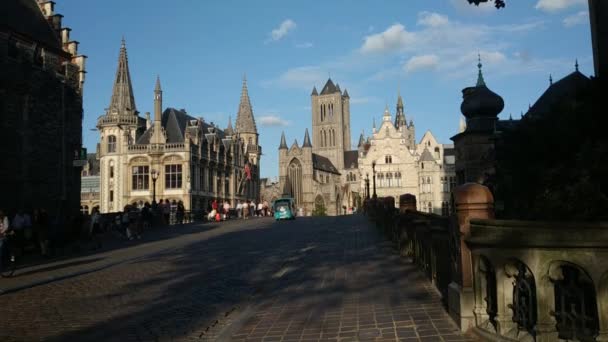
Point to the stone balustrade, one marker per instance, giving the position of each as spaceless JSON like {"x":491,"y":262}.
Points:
{"x":540,"y":281}
{"x":148,"y":148}
{"x":506,"y":280}
{"x":116,"y":119}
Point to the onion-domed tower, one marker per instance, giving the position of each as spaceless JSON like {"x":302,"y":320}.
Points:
{"x":475,"y":145}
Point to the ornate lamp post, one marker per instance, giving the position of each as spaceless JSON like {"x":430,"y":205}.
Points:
{"x":374,"y":178}
{"x":154,"y":174}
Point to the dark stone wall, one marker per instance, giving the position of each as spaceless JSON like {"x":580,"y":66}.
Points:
{"x":40,"y":130}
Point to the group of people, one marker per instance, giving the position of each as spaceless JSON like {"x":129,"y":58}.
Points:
{"x":26,"y":231}
{"x":243,"y":209}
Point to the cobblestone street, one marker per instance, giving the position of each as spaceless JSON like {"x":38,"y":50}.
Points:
{"x":307,"y":280}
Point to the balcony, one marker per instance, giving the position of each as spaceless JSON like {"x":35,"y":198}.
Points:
{"x":157,"y":148}
{"x":108,"y":120}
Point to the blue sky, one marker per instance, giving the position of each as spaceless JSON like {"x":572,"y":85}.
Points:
{"x":427,"y":49}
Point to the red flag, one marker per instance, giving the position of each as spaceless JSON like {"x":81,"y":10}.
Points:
{"x":247,"y":171}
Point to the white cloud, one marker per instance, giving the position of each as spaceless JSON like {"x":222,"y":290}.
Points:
{"x":305,"y":45}
{"x":423,"y":62}
{"x":432,"y":19}
{"x":281,"y":31}
{"x":393,"y":39}
{"x":552,"y":6}
{"x":300,"y":77}
{"x":576,"y":19}
{"x":272,"y":121}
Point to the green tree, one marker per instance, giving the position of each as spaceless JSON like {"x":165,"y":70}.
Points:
{"x":553,"y":167}
{"x":319,"y":209}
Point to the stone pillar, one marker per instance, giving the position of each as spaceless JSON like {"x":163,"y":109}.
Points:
{"x":407,"y":202}
{"x":601,"y":290}
{"x":545,"y":301}
{"x":472,"y":201}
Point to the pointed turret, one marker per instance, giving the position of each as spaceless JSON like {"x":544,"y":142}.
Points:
{"x":400,"y":120}
{"x":295,"y":143}
{"x":306,"y":140}
{"x":229,"y":130}
{"x":338,"y":88}
{"x":480,"y":80}
{"x":374,"y":125}
{"x":245,"y":123}
{"x":122,"y":101}
{"x":314,"y":91}
{"x":345,"y":93}
{"x":158,"y":100}
{"x":158,"y":136}
{"x":361,"y":140}
{"x":283,"y":145}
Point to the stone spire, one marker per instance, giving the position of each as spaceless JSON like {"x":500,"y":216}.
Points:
{"x":245,"y":123}
{"x":314,"y":91}
{"x":361,"y":140}
{"x":122,"y":101}
{"x":158,"y":136}
{"x":576,"y":65}
{"x":374,"y":126}
{"x":480,"y":80}
{"x":400,"y":120}
{"x":306,"y":140}
{"x":229,"y":130}
{"x":283,"y":145}
{"x":550,"y":80}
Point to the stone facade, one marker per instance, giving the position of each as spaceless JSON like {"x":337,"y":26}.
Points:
{"x":425,"y":170}
{"x":89,"y":184}
{"x":315,"y":174}
{"x":195,"y":162}
{"x":41,"y":81}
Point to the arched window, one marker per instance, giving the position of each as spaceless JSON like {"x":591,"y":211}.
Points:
{"x":324,"y":138}
{"x":389,"y":179}
{"x":321,"y":112}
{"x":331,"y":110}
{"x":333,"y":137}
{"x":295,"y":177}
{"x":398,"y":179}
{"x":437,"y":154}
{"x":111,"y":144}
{"x":388,"y":159}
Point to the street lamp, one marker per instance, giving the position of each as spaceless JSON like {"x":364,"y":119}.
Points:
{"x":374,"y":178}
{"x":367,"y":185}
{"x":154,"y":174}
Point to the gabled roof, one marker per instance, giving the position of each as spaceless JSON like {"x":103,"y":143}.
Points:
{"x":426,"y":155}
{"x":323,"y":164}
{"x":559,"y":91}
{"x":329,"y":88}
{"x":174,"y":122}
{"x":351,"y":159}
{"x":25,"y":17}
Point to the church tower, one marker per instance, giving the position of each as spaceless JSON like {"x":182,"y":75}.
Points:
{"x":245,"y":126}
{"x":118,"y":128}
{"x":331,"y":123}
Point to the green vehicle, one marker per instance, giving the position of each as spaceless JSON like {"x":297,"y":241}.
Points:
{"x":284,"y":209}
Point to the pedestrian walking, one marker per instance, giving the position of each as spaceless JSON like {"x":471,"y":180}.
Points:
{"x":246,"y":210}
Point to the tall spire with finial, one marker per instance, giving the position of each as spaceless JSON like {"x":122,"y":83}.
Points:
{"x":158,"y":136}
{"x":283,"y":145}
{"x":550,"y":80}
{"x":306,"y":140}
{"x":400,"y":114}
{"x":576,"y":65}
{"x":245,"y":123}
{"x":480,"y":80}
{"x":374,"y":125}
{"x":122,"y":101}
